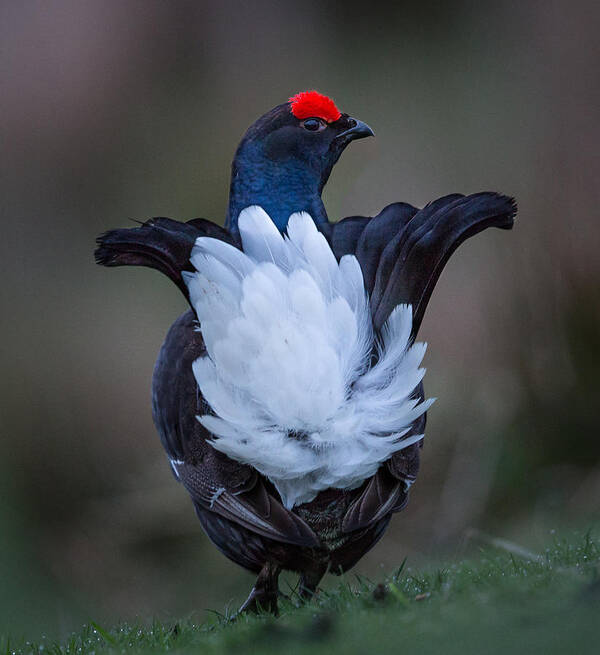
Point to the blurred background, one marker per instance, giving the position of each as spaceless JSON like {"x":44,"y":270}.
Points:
{"x":122,"y":109}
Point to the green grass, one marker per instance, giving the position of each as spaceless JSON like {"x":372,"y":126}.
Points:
{"x":498,"y":602}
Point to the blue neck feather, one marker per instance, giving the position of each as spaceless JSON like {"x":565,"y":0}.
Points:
{"x":280,"y":188}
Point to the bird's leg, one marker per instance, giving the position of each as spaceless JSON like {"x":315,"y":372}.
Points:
{"x":264,"y":593}
{"x":310,"y":579}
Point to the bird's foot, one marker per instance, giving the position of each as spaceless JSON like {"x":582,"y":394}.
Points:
{"x":263,"y":597}
{"x":259,"y":601}
{"x":309,"y":580}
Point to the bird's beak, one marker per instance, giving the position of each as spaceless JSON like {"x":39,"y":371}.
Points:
{"x":358,"y":131}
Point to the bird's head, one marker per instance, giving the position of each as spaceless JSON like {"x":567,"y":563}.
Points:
{"x":285,"y":158}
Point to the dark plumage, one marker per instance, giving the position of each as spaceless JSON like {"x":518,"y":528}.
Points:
{"x":283,"y":166}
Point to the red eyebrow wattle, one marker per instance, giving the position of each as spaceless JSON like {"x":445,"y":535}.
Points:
{"x":311,"y":104}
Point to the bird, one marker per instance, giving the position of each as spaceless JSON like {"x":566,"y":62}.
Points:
{"x":289,"y":396}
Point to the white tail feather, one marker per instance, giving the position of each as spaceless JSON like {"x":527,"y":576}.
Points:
{"x":289,"y":338}
{"x":260,"y":238}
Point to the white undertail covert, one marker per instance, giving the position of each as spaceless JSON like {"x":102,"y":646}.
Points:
{"x":288,"y":373}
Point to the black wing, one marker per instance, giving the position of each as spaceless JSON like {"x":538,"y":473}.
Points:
{"x":213,"y":480}
{"x":402,"y":252}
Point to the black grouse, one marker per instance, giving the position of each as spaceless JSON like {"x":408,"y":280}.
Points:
{"x":289,"y":397}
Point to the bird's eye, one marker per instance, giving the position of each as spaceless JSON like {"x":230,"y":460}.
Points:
{"x":313,"y":124}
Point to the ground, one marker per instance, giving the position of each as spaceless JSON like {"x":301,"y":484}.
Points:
{"x":504,"y":599}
